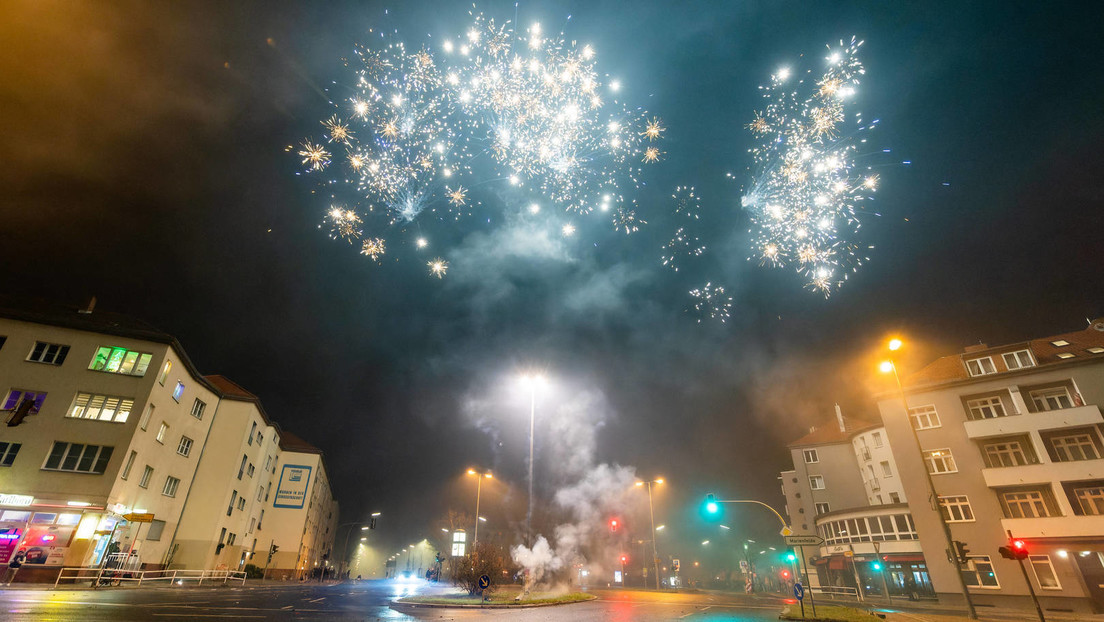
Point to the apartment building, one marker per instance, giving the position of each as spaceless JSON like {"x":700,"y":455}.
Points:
{"x":845,"y":488}
{"x":224,"y":521}
{"x":1013,"y":438}
{"x":304,"y":510}
{"x":117,"y":448}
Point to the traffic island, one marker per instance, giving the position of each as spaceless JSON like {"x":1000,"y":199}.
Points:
{"x":830,"y":613}
{"x":502,"y":598}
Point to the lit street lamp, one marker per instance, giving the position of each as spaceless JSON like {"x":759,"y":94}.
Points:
{"x":651,"y":515}
{"x":345,"y":549}
{"x":889,"y":366}
{"x":478,"y":489}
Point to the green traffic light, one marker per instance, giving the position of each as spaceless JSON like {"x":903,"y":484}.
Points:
{"x":877,"y":566}
{"x":711,"y":505}
{"x":790,"y":557}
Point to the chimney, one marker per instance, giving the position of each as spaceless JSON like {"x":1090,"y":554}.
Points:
{"x":87,"y":310}
{"x":839,"y":418}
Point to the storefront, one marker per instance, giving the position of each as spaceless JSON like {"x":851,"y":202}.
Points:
{"x":49,"y":533}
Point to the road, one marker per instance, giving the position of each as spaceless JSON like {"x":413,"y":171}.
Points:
{"x":367,"y":600}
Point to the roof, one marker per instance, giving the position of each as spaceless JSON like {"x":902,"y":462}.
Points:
{"x":291,"y":442}
{"x":952,"y":368}
{"x":41,"y":311}
{"x":229,"y":388}
{"x":832,"y":434}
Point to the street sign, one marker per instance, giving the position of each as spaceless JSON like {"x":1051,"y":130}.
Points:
{"x":804,"y":540}
{"x":786,"y":531}
{"x":799,"y":591}
{"x":848,"y":553}
{"x":484,"y":582}
{"x":138,"y":518}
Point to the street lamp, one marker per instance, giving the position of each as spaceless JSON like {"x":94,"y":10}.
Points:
{"x":345,"y":548}
{"x":532,"y":381}
{"x":479,"y":477}
{"x":889,"y":366}
{"x":651,"y":515}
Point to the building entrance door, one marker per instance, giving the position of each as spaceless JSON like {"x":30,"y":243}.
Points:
{"x":1092,"y":569}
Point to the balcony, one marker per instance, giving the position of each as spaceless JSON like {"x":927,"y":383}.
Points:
{"x":1043,"y":473}
{"x":1024,"y":423}
{"x":1053,"y":527}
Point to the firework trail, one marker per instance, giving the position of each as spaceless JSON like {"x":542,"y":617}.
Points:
{"x":805,"y":193}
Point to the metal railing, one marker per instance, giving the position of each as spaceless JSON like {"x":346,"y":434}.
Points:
{"x":849,"y":592}
{"x":106,"y":577}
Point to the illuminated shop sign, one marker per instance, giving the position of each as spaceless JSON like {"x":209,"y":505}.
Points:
{"x":19,"y":500}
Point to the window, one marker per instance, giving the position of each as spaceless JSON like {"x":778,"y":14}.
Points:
{"x":1056,"y":398}
{"x":252,"y":431}
{"x":979,"y":572}
{"x":981,"y":366}
{"x":8,"y":452}
{"x":241,"y":503}
{"x":1059,"y":343}
{"x":198,"y":407}
{"x":169,"y":489}
{"x":129,"y":463}
{"x":146,"y":417}
{"x":822,"y":508}
{"x":260,"y":438}
{"x":1092,"y":350}
{"x":811,"y":456}
{"x":894,"y":497}
{"x":165,"y":373}
{"x":185,"y":446}
{"x":101,"y":407}
{"x":49,"y":353}
{"x":250,"y":470}
{"x":231,"y":538}
{"x":459,"y":540}
{"x":1018,"y":359}
{"x":260,"y":493}
{"x":146,"y":475}
{"x":1074,"y":447}
{"x":120,"y":361}
{"x":886,"y":470}
{"x":1044,"y":572}
{"x":178,"y":392}
{"x":260,"y":520}
{"x":1004,"y":454}
{"x":156,"y":528}
{"x":162,"y":432}
{"x":241,"y":468}
{"x":78,"y":458}
{"x":17,"y":396}
{"x":924,"y":417}
{"x":887,"y":527}
{"x":233,"y":498}
{"x":1025,"y":504}
{"x":940,"y":461}
{"x":816,"y":482}
{"x":956,"y":509}
{"x":1091,"y":500}
{"x":985,"y":408}
{"x":877,"y":436}
{"x":252,"y":524}
{"x":1066,"y":355}
{"x":268,"y":459}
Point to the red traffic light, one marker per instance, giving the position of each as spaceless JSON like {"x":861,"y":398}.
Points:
{"x":614,"y":524}
{"x":785,"y":574}
{"x":624,"y":559}
{"x":1019,"y":545}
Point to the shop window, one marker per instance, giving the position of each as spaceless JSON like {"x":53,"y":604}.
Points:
{"x":120,"y":361}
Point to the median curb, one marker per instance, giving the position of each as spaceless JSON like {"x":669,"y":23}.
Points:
{"x":402,"y":605}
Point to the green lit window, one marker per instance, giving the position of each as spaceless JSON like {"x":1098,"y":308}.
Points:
{"x":120,"y":361}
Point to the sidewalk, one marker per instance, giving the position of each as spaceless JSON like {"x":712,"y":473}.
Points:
{"x":161,"y":585}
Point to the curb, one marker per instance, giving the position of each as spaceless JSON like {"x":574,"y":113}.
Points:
{"x":400,"y":604}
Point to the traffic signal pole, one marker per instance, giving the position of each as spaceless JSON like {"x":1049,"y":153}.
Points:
{"x":1027,"y":580}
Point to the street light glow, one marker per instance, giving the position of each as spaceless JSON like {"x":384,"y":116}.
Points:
{"x":705,"y":542}
{"x":895,"y":344}
{"x":660,"y":528}
{"x":724,"y":527}
{"x":886,"y":367}
{"x":375,"y":514}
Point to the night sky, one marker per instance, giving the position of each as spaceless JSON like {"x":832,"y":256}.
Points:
{"x":143,"y":149}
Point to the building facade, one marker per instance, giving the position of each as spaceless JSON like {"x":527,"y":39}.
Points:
{"x":1013,"y":438}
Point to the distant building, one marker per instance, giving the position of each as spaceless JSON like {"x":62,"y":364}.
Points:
{"x":117,"y":450}
{"x":845,"y":487}
{"x":304,"y":513}
{"x":1014,"y":439}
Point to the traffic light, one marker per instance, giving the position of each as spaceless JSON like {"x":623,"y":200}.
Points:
{"x":614,"y":524}
{"x":790,"y":557}
{"x":711,"y":506}
{"x":1016,"y":549}
{"x":624,"y":559}
{"x":877,"y":566}
{"x":786,"y":575}
{"x":961,"y":551}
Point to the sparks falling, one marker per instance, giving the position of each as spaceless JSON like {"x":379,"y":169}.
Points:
{"x":805,"y":194}
{"x":684,"y":241}
{"x":711,"y":303}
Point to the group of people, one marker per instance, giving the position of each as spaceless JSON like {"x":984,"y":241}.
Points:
{"x":14,"y":565}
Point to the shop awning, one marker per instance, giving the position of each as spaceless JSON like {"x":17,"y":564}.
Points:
{"x":835,"y":562}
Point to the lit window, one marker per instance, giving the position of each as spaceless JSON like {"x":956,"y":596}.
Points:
{"x":816,"y":482}
{"x":146,"y":475}
{"x":185,"y":446}
{"x":924,"y":417}
{"x":8,"y":452}
{"x":811,"y":456}
{"x":169,"y":489}
{"x":1018,"y":359}
{"x":101,"y":407}
{"x":198,"y":407}
{"x":940,"y":461}
{"x":979,"y":572}
{"x":985,"y":408}
{"x":1044,"y":572}
{"x":49,"y":353}
{"x":956,"y":509}
{"x":981,"y":366}
{"x":162,"y":432}
{"x":1059,"y":343}
{"x":164,"y":373}
{"x":178,"y":392}
{"x":120,"y":361}
{"x":78,"y":458}
{"x":1056,"y":398}
{"x":16,"y":397}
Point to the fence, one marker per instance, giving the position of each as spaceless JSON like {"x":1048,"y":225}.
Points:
{"x":99,"y":576}
{"x":848,"y":592}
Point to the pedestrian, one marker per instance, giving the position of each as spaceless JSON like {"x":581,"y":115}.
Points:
{"x":14,"y":565}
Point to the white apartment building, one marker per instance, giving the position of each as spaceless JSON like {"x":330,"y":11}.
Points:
{"x":305,"y":512}
{"x":1013,"y":438}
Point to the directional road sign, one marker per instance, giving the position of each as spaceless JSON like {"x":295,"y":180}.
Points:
{"x":799,"y":591}
{"x":804,"y":540}
{"x":484,"y":582}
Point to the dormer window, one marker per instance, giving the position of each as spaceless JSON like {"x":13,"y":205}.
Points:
{"x":981,"y":366}
{"x":1018,"y":359}
{"x":1065,"y":355}
{"x":1094,"y":350}
{"x":1059,"y":343}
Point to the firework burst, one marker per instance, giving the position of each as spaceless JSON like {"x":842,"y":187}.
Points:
{"x":711,"y":303}
{"x":684,"y":242}
{"x":806,"y":193}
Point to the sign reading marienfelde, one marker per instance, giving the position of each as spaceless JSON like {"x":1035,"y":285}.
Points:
{"x":291,"y":492}
{"x":804,"y":540}
{"x":19,"y":500}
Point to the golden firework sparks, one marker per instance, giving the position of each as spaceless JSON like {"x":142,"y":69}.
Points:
{"x":760,"y":125}
{"x":829,"y":86}
{"x":438,"y":267}
{"x":651,"y":154}
{"x":339,"y":130}
{"x":357,"y":161}
{"x":654,"y":129}
{"x":374,"y":248}
{"x":457,"y":197}
{"x":391,"y":129}
{"x":314,"y":156}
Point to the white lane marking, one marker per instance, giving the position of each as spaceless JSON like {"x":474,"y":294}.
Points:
{"x":317,"y":600}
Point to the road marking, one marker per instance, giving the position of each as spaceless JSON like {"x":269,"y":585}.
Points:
{"x":316,"y":600}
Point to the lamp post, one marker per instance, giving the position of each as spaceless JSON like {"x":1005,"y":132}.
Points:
{"x":651,"y":515}
{"x":531,"y":380}
{"x":345,"y":548}
{"x":478,"y":489}
{"x":891,"y":366}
